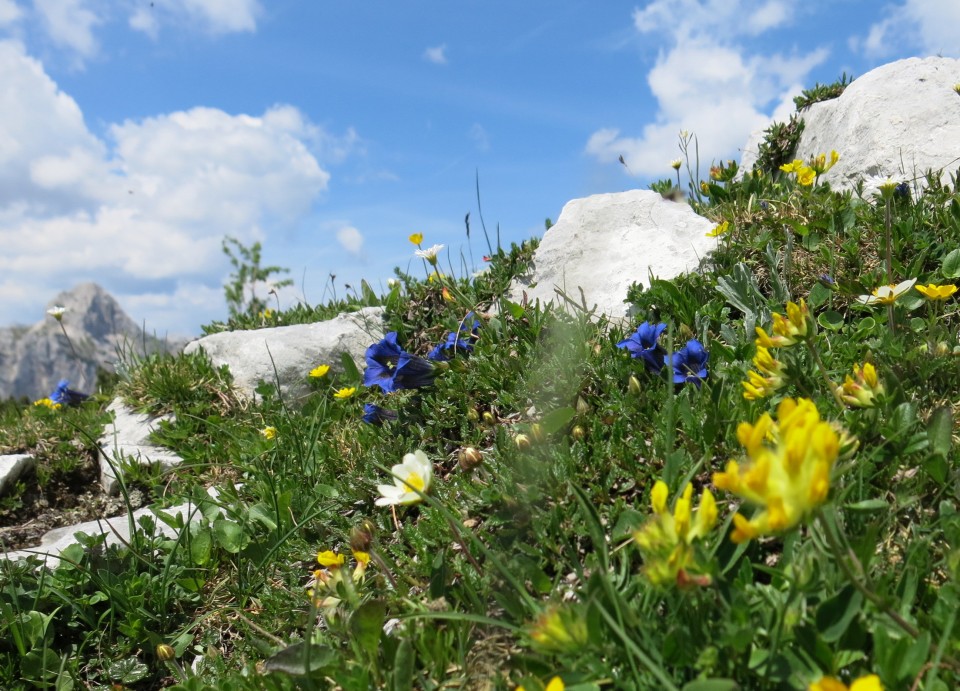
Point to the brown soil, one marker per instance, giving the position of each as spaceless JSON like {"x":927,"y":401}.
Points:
{"x":64,"y":501}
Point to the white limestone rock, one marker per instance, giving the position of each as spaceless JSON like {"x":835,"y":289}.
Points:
{"x":285,"y":355}
{"x":12,"y":466}
{"x":127,"y":439}
{"x":898,"y":120}
{"x":606,"y":242}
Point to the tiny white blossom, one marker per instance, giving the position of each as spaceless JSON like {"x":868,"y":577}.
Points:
{"x":57,"y":312}
{"x":410,"y":479}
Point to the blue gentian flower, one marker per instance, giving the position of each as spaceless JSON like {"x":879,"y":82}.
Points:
{"x":391,"y":367}
{"x":826,"y":280}
{"x":375,"y":415}
{"x":643,"y":344}
{"x":902,"y":190}
{"x":64,"y":395}
{"x":689,"y":364}
{"x":461,"y":340}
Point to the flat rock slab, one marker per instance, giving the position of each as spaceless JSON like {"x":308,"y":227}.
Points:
{"x":116,"y":529}
{"x":605,"y":243}
{"x":12,"y":466}
{"x":127,"y":440}
{"x":283,"y":356}
{"x":898,"y":120}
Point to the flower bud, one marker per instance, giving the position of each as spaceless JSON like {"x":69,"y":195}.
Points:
{"x":522,"y":441}
{"x":473,"y":415}
{"x":633,"y":385}
{"x":469,"y":458}
{"x":536,"y":432}
{"x":578,"y":433}
{"x":165,"y":653}
{"x":488,"y":418}
{"x":583,"y":408}
{"x":361,"y":536}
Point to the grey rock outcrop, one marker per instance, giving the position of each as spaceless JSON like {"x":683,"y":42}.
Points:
{"x":284,"y":355}
{"x":604,"y":243}
{"x":898,"y":120}
{"x":33,"y":359}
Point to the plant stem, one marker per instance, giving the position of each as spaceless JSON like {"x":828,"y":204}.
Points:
{"x":823,"y":370}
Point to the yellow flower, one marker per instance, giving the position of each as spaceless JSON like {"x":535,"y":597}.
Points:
{"x":764,"y":340}
{"x":861,"y":389}
{"x":436,"y":276}
{"x":887,"y":295}
{"x":269,"y":432}
{"x":719,"y":230}
{"x":47,"y":403}
{"x":559,"y":628}
{"x":667,"y":539}
{"x":330,"y":559}
{"x":319,"y":371}
{"x":793,"y":167}
{"x":266,"y":314}
{"x":871,"y":682}
{"x":759,"y":386}
{"x":795,"y":326}
{"x":820,"y":165}
{"x":345,"y":392}
{"x":416,"y":238}
{"x":555,"y":684}
{"x":806,"y":176}
{"x":787,"y":469}
{"x":704,"y":187}
{"x":937,"y":292}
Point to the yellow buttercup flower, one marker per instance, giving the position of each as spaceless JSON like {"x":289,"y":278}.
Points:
{"x":269,"y":432}
{"x":871,"y":682}
{"x":787,"y":469}
{"x":330,"y":559}
{"x":416,"y":238}
{"x":345,"y":392}
{"x":667,"y":539}
{"x":792,"y":167}
{"x":806,"y":176}
{"x":934,"y":291}
{"x":319,"y":371}
{"x":719,"y":230}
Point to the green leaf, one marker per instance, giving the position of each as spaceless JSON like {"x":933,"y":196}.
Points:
{"x":201,"y":544}
{"x":263,"y":514}
{"x":127,"y":671}
{"x":834,"y":615}
{"x":940,"y":431}
{"x":515,"y":310}
{"x":230,"y":535}
{"x":556,"y":420}
{"x":350,"y":371}
{"x":830,"y":320}
{"x":300,"y":659}
{"x":951,"y":264}
{"x":403,"y":665}
{"x":711,"y":685}
{"x":40,"y":664}
{"x":869,"y":505}
{"x":367,"y":625}
{"x":819,"y":294}
{"x":903,"y":417}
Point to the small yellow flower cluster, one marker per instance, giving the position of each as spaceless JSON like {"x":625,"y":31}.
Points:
{"x":330,"y":577}
{"x":269,"y":432}
{"x":862,"y":388}
{"x":787,"y":471}
{"x":667,"y":539}
{"x":768,"y":377}
{"x":807,"y":173}
{"x":560,"y":628}
{"x":787,"y":330}
{"x":47,"y":403}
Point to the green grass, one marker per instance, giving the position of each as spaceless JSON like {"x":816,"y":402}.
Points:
{"x":525,"y":567}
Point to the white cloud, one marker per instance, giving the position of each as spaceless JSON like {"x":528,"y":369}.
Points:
{"x":436,"y":55}
{"x":150,"y":203}
{"x":70,"y":24}
{"x":351,"y":240}
{"x":10,"y":12}
{"x":214,"y":16}
{"x":706,"y":82}
{"x":932,"y":26}
{"x":478,"y":134}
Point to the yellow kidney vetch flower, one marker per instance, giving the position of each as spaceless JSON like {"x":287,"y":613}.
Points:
{"x":862,"y":388}
{"x":328,"y":583}
{"x":667,"y":539}
{"x":871,"y":682}
{"x":769,"y":377}
{"x":786,"y":471}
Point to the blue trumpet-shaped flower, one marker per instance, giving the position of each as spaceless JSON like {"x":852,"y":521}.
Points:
{"x":460,"y":340}
{"x":375,"y":415}
{"x":643,"y":344}
{"x":64,"y":395}
{"x":689,"y":364}
{"x":391,"y":367}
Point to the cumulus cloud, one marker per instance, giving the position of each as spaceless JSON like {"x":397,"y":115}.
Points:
{"x":70,"y":23}
{"x":706,"y":81}
{"x":436,"y":55}
{"x":10,"y":12}
{"x":149,"y":203}
{"x":351,"y":240}
{"x":214,"y":16}
{"x":931,"y":26}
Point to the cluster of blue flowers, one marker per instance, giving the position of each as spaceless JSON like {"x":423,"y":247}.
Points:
{"x":64,"y":395}
{"x":686,"y":366}
{"x":392,"y":368}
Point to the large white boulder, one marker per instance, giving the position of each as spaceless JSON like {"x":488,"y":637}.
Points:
{"x":605,"y":243}
{"x":126,"y":440}
{"x":284,"y":355}
{"x":898,"y":120}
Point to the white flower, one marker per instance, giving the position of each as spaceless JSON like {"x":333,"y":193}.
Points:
{"x":430,"y":254}
{"x":57,"y":312}
{"x":393,"y":282}
{"x":676,"y":163}
{"x":887,"y":295}
{"x":410,"y":478}
{"x":883,"y":185}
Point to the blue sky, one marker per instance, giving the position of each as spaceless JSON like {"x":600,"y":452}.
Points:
{"x":135,"y":135}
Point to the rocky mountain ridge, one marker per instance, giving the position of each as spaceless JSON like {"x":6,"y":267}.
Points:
{"x":34,"y":358}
